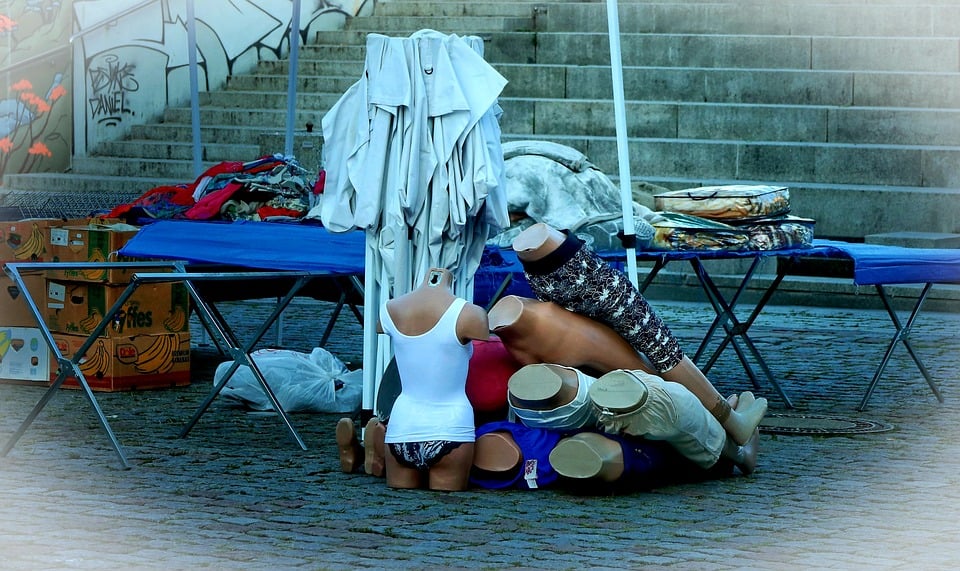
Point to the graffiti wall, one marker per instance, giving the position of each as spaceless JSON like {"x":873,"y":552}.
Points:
{"x":129,"y":60}
{"x":35,"y":108}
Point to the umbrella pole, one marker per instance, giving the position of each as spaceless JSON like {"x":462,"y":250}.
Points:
{"x":371,"y":369}
{"x":623,"y":155}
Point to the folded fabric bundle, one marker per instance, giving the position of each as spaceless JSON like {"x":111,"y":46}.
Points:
{"x":736,"y":202}
{"x":685,"y":232}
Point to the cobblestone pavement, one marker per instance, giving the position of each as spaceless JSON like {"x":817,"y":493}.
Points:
{"x":237,"y":493}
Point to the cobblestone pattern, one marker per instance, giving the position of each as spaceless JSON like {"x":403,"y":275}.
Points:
{"x":239,"y":494}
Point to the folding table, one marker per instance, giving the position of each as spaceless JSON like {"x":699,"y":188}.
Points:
{"x":254,"y":248}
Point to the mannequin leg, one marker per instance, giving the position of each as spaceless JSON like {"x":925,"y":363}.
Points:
{"x":348,"y":446}
{"x":400,"y":476}
{"x":373,"y":448}
{"x":743,"y":457}
{"x":452,"y":472}
{"x":740,"y":422}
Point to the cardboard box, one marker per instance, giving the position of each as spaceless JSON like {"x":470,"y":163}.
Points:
{"x":24,"y":355}
{"x":26,"y":240}
{"x":78,"y":307}
{"x":14,"y":311}
{"x":128,"y":363}
{"x":90,"y":243}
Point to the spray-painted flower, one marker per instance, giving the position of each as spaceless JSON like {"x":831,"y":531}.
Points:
{"x":22,"y":85}
{"x":6,"y":24}
{"x":57,"y":92}
{"x":6,"y":145}
{"x":39,"y":148}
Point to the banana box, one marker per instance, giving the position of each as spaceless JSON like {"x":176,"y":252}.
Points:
{"x":128,"y":363}
{"x":78,"y":307}
{"x":90,"y":243}
{"x":14,"y":311}
{"x":24,"y":355}
{"x":26,"y":240}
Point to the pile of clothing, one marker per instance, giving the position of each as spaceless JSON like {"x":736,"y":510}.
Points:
{"x":731,"y":217}
{"x":268,"y":188}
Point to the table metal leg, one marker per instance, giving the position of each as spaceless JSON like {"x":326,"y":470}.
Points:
{"x":901,"y":335}
{"x":735,"y":330}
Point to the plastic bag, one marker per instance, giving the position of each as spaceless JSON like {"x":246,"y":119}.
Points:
{"x":302,"y":382}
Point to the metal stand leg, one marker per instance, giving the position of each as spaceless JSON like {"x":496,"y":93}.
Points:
{"x":902,"y":335}
{"x":734,"y":328}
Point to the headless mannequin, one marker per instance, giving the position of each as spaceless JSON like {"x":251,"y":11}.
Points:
{"x":535,"y":331}
{"x":415,"y":314}
{"x":539,"y":240}
{"x":497,"y":453}
{"x":551,"y":396}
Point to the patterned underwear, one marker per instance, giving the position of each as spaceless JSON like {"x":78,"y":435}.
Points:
{"x":421,"y":455}
{"x":574,"y":277}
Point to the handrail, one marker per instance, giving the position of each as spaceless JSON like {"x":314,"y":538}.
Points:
{"x":56,"y":51}
{"x":113,"y":18}
{"x":34,"y":59}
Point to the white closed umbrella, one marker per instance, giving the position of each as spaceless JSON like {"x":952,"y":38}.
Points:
{"x":413,"y":157}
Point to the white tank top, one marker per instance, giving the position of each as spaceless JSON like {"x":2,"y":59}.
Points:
{"x":433,"y":403}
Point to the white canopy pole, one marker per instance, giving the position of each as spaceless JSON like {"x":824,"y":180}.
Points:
{"x":623,"y":154}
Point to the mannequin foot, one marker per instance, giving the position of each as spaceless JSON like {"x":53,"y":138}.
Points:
{"x":588,"y":455}
{"x":747,"y":457}
{"x":743,"y":421}
{"x":744,"y":399}
{"x":733,"y":400}
{"x":348,"y":446}
{"x":374,"y":462}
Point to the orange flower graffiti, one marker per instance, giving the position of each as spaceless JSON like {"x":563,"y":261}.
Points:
{"x":21,"y":85}
{"x":58,"y":92}
{"x":6,"y":24}
{"x":6,"y":145}
{"x":39,"y":148}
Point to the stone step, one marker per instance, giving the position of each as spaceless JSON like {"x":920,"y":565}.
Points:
{"x":272,"y":99}
{"x":163,"y":132}
{"x":460,"y":9}
{"x":136,"y":168}
{"x":921,"y":19}
{"x":916,"y":239}
{"x":460,"y":25}
{"x":826,"y":163}
{"x":85,"y":183}
{"x":271,"y":119}
{"x":746,"y":122}
{"x":686,"y":84}
{"x":305,"y":83}
{"x":211,"y":152}
{"x":936,"y":54}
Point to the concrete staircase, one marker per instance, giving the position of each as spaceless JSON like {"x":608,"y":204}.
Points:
{"x":854,"y":105}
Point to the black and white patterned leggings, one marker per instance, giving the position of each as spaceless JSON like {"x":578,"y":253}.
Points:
{"x":573,"y":276}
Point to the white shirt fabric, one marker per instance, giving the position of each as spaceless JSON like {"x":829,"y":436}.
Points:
{"x":433,"y":403}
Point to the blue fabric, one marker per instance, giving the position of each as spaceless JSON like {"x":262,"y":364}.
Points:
{"x":881,"y":264}
{"x":310,"y":247}
{"x":260,"y":245}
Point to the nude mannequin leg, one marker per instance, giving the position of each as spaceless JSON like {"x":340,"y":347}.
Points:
{"x":452,"y":472}
{"x":348,"y":446}
{"x":373,"y":448}
{"x":400,"y":476}
{"x":497,"y":453}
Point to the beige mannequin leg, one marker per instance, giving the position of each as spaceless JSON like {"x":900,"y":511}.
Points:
{"x":739,"y":423}
{"x":373,"y":447}
{"x":497,"y":453}
{"x":348,"y":446}
{"x":452,"y":472}
{"x":542,"y":387}
{"x":400,"y":476}
{"x":588,"y":455}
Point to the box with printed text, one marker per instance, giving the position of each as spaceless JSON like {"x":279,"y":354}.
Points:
{"x":128,"y":363}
